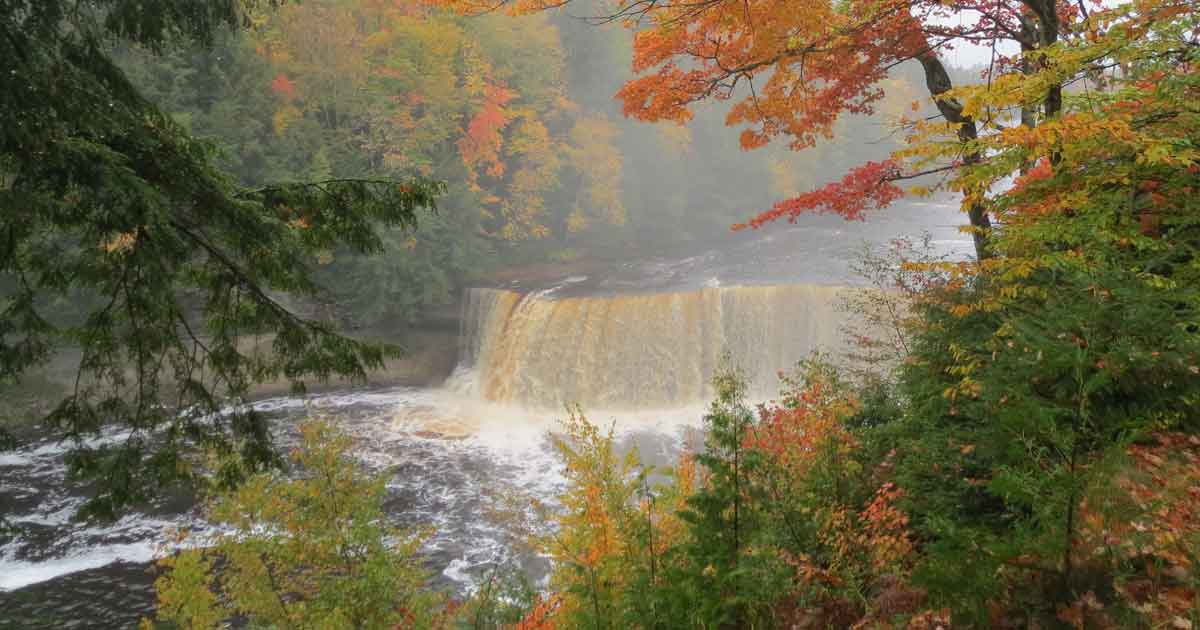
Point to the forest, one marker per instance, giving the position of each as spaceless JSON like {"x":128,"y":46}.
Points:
{"x":1007,"y":441}
{"x":517,"y":115}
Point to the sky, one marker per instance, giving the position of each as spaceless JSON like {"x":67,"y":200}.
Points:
{"x":970,"y":55}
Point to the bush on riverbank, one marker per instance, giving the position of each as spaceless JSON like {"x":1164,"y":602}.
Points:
{"x":309,"y":551}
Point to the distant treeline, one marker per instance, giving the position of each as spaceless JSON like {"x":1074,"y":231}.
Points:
{"x":517,"y":115}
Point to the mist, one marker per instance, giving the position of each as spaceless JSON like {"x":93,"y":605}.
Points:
{"x":736,"y":315}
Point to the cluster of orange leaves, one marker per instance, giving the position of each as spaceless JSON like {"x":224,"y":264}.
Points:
{"x":885,"y":529}
{"x":482,"y":142}
{"x":871,"y":542}
{"x":865,"y":188}
{"x":792,"y":434}
{"x":284,"y":87}
{"x":541,"y":617}
{"x":808,"y":65}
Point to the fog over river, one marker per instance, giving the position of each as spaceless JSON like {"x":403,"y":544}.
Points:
{"x":634,"y":345}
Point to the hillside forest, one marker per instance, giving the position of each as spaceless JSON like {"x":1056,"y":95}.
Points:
{"x":517,"y":115}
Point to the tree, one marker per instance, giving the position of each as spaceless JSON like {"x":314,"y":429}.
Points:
{"x":593,"y":538}
{"x":616,"y":540}
{"x":106,"y":199}
{"x":594,"y":156}
{"x":1042,"y":370}
{"x":313,"y":551}
{"x":792,"y":71}
{"x":879,"y":317}
{"x":724,"y":517}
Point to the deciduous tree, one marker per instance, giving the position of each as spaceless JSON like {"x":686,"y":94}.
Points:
{"x":791,"y":71}
{"x":313,"y":551}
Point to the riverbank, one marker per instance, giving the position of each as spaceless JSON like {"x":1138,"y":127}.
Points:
{"x":430,"y":356}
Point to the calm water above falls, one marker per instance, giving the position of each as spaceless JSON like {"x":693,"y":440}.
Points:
{"x":635,"y":347}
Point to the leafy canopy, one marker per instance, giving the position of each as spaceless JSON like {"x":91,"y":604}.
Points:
{"x":790,"y":71}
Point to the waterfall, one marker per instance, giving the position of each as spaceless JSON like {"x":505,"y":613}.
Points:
{"x":637,"y":351}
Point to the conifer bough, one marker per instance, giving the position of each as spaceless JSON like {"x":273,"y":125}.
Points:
{"x":109,"y":206}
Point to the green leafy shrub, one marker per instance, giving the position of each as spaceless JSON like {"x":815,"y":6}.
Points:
{"x":309,"y":551}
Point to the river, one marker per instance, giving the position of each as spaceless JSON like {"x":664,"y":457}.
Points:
{"x":635,"y":346}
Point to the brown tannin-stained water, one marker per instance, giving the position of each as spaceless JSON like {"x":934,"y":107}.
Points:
{"x":635,"y":347}
{"x":645,"y":351}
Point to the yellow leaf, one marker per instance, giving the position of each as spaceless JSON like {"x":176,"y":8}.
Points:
{"x":120,"y":243}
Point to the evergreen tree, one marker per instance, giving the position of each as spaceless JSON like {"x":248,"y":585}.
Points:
{"x":723,"y":516}
{"x":103,"y":196}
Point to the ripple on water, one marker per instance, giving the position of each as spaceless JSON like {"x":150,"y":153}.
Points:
{"x":467,"y":470}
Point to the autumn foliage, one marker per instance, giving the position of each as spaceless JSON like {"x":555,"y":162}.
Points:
{"x":1027,"y":457}
{"x":309,"y":552}
{"x":792,"y":72}
{"x":482,"y":142}
{"x":864,"y":189}
{"x":1148,"y":534}
{"x":410,"y":85}
{"x":1025,"y":454}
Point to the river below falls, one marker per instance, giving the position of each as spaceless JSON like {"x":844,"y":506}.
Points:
{"x":467,"y":469}
{"x":470,"y":469}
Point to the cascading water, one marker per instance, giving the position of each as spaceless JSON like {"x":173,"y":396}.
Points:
{"x":645,"y":351}
{"x":457,"y":456}
{"x":637,"y":353}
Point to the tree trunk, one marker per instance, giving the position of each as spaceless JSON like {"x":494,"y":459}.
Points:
{"x":1046,"y":12}
{"x":938,"y":82}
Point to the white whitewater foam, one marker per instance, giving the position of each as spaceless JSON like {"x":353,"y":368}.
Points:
{"x":16,"y":574}
{"x":458,"y":462}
